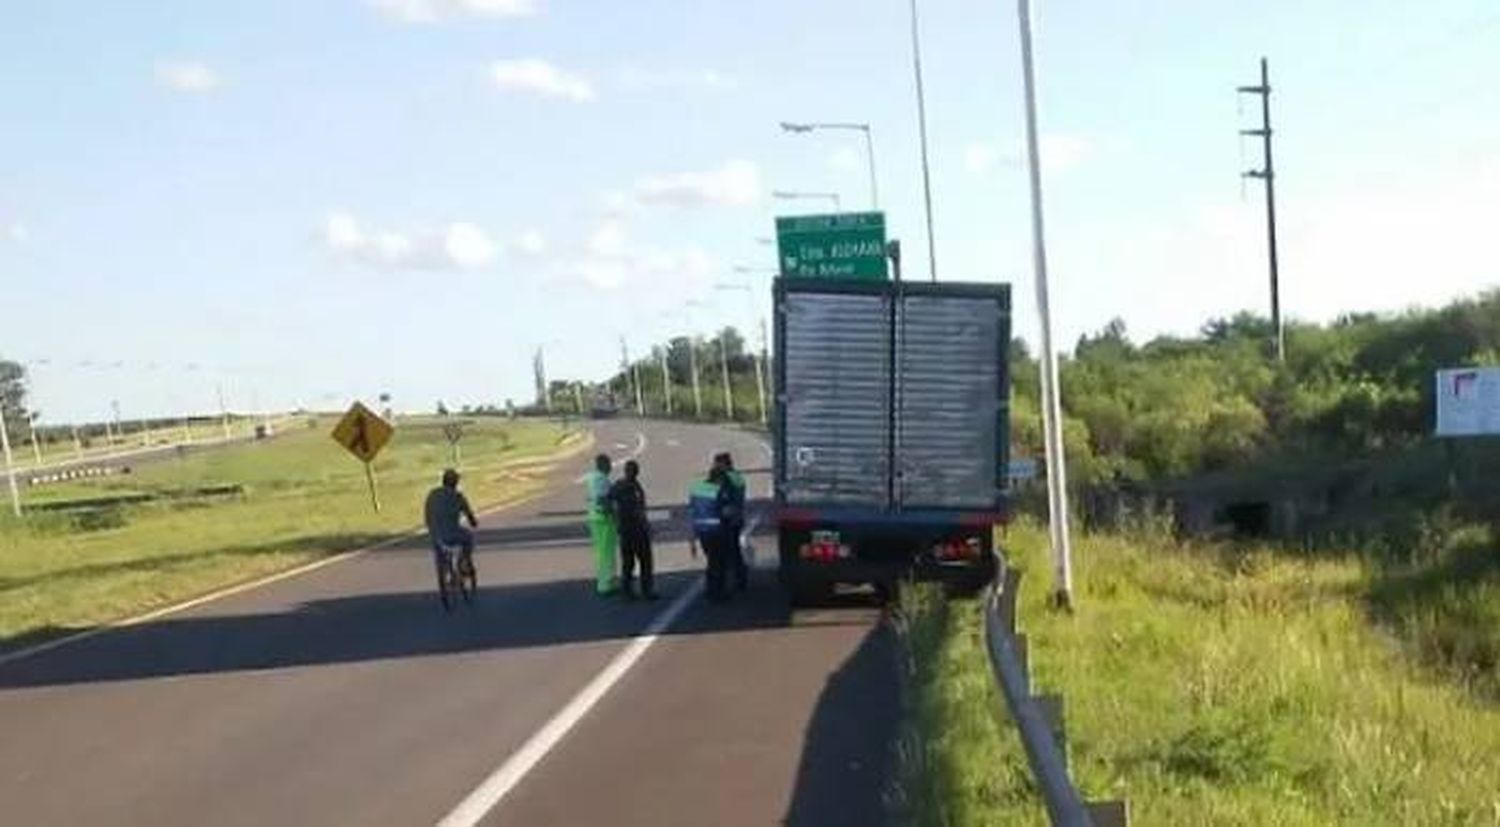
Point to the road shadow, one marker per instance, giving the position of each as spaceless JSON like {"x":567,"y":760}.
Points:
{"x":372,"y":627}
{"x":847,"y":764}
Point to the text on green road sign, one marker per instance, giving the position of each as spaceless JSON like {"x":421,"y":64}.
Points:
{"x":844,"y":245}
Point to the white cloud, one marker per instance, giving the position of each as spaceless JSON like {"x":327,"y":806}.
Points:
{"x":433,"y":11}
{"x":845,"y":159}
{"x":637,"y":79}
{"x":540,"y":77}
{"x":1060,"y":153}
{"x":737,"y":183}
{"x":190,"y":76}
{"x":15,"y":231}
{"x":611,"y":259}
{"x":531,"y":243}
{"x":457,"y":246}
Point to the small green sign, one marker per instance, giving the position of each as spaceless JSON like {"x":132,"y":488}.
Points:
{"x":839,"y":246}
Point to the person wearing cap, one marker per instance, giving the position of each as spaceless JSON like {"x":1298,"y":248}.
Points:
{"x":739,"y":572}
{"x":601,"y":524}
{"x":711,"y":509}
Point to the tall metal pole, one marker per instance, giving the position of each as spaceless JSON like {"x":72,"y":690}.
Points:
{"x":1268,"y":174}
{"x":1057,"y":478}
{"x":666,"y":382}
{"x":77,"y":444}
{"x":760,"y":372}
{"x":874,"y":184}
{"x":10,"y":468}
{"x":724,"y":363}
{"x":693,"y":368}
{"x":36,"y":447}
{"x":916,"y":59}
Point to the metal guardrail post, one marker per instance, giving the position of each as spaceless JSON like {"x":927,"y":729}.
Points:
{"x":1039,"y":718}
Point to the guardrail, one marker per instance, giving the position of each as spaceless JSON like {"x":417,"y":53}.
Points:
{"x":1039,"y":718}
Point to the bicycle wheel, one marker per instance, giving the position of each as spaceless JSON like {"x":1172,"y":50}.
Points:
{"x":468,"y":578}
{"x":445,"y":579}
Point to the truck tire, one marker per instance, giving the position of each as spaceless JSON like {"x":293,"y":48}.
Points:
{"x":803,"y":593}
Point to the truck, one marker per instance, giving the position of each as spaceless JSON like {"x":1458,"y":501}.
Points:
{"x":891,"y":432}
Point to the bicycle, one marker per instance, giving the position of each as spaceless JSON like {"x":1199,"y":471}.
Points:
{"x":455,"y":575}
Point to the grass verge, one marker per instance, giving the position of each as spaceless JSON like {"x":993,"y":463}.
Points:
{"x":1210,"y":685}
{"x":304,"y":498}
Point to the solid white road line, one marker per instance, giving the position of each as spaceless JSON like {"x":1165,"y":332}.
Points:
{"x":489,"y":793}
{"x":229,"y":591}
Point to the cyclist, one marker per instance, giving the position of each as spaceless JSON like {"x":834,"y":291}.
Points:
{"x":445,"y":505}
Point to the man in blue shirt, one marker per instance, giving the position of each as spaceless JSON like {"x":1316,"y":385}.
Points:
{"x":445,"y":505}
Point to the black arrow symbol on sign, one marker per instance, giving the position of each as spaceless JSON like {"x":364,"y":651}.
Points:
{"x":360,"y":444}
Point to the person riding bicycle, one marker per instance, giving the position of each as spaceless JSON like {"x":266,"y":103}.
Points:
{"x":445,"y":505}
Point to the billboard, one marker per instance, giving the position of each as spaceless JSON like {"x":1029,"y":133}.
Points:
{"x":1468,"y":401}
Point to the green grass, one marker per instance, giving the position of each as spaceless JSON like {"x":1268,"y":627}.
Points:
{"x":1222,"y":685}
{"x":304,"y":498}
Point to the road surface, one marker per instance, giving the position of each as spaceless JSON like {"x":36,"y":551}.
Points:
{"x":346,"y":696}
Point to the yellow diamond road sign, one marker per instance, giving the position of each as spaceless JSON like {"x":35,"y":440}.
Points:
{"x":362,"y":432}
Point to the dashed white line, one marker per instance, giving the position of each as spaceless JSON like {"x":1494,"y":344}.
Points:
{"x":493,"y":789}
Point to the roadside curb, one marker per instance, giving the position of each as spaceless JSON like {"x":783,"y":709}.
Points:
{"x":402,"y":536}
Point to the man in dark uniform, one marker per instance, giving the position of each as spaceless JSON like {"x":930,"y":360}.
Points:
{"x":629,"y":505}
{"x":710,"y":506}
{"x":734,"y":527}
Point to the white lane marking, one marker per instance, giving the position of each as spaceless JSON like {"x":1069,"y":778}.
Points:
{"x":489,"y":793}
{"x":635,"y":453}
{"x":229,"y":591}
{"x":672,"y":443}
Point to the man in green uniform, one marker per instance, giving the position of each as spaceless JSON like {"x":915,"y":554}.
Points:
{"x":734,"y":551}
{"x":601,"y":525}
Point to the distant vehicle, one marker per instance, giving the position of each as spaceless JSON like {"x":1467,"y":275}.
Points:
{"x":892,"y":432}
{"x":604,"y":409}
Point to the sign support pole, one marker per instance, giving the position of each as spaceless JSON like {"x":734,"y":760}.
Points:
{"x":374,"y":492}
{"x":10,"y":468}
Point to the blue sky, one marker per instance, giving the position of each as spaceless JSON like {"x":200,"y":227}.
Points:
{"x":306,"y":202}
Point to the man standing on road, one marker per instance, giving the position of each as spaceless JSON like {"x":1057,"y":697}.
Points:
{"x":711,"y":507}
{"x":734,"y":527}
{"x":445,"y":505}
{"x":628,"y":501}
{"x":601,"y":526}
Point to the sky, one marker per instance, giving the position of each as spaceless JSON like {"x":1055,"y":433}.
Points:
{"x":302,"y":203}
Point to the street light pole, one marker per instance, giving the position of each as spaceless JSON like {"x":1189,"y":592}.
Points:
{"x":666,"y":381}
{"x":758,"y":363}
{"x":724,"y":363}
{"x":916,"y":60}
{"x":10,"y":467}
{"x":1057,"y":479}
{"x":869,"y":148}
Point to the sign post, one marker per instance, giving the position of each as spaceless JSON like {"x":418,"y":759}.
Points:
{"x":363,"y":434}
{"x":838,"y":246}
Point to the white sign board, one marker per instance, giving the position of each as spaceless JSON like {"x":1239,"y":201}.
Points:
{"x":1468,"y":402}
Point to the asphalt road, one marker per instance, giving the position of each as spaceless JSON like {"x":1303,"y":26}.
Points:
{"x":347,"y":696}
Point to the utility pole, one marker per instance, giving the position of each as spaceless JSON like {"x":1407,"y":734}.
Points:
{"x":760,"y":372}
{"x":36,"y":448}
{"x":10,"y":468}
{"x":1052,"y":421}
{"x":724,"y":363}
{"x":693,"y":368}
{"x":1267,"y":173}
{"x":916,"y":60}
{"x":634,"y":378}
{"x":666,"y":381}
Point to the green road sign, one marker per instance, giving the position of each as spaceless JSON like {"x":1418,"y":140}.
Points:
{"x":840,"y":246}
